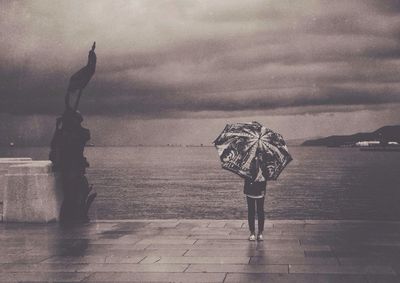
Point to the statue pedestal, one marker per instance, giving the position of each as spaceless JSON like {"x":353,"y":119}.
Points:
{"x":32,"y":194}
{"x":5,"y":163}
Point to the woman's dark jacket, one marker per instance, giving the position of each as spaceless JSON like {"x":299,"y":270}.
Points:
{"x":254,"y":188}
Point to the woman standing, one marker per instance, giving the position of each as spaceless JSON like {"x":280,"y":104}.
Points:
{"x":236,"y":145}
{"x":255,"y":194}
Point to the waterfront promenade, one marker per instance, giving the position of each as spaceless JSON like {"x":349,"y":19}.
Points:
{"x":201,"y":251}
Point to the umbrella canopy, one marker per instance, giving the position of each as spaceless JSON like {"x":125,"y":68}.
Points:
{"x":252,"y":151}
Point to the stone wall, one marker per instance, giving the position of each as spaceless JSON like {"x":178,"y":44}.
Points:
{"x":32,"y":192}
{"x":5,"y":163}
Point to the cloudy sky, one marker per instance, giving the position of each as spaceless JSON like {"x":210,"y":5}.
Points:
{"x":178,"y":71}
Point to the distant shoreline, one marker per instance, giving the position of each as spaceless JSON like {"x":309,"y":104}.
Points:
{"x":383,"y":136}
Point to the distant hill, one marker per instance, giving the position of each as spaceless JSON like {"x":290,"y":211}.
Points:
{"x":387,"y":133}
{"x":295,"y":142}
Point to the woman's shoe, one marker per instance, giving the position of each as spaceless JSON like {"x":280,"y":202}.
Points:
{"x":252,"y":237}
{"x":260,"y":237}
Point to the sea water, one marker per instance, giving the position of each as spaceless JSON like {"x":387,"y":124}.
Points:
{"x":188,"y":182}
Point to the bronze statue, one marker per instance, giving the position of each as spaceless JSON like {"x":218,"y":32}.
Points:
{"x":67,"y":151}
{"x":80,"y":79}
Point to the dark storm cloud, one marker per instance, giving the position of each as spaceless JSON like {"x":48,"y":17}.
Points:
{"x":386,"y":6}
{"x":163,"y":58}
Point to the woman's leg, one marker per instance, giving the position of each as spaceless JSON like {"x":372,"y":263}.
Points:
{"x":260,"y":214}
{"x":251,"y":211}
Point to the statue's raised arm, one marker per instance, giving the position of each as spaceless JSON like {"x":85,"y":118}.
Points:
{"x":80,"y":79}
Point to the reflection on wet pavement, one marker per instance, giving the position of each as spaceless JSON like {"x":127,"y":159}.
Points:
{"x":202,"y":251}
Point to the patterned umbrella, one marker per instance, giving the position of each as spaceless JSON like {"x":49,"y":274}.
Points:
{"x":252,"y":151}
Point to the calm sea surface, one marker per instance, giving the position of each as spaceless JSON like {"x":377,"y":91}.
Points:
{"x":166,"y":182}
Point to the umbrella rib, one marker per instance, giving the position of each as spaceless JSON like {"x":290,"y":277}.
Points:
{"x":251,"y":151}
{"x":274,"y":149}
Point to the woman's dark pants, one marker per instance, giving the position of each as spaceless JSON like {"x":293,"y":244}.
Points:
{"x":251,"y":208}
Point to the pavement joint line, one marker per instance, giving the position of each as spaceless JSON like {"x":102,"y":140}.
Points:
{"x":337,"y":258}
{"x":87,"y":277}
{"x":45,"y":259}
{"x":142,"y":259}
{"x":226,"y":275}
{"x":146,"y":247}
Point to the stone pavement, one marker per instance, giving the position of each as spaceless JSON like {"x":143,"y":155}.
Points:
{"x":201,"y":251}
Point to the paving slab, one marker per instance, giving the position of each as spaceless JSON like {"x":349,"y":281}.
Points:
{"x":238,"y":268}
{"x":147,"y":252}
{"x":167,"y":241}
{"x":211,"y":260}
{"x":293,"y":278}
{"x":155,"y":277}
{"x":278,"y":242}
{"x":238,"y":252}
{"x":44,"y":277}
{"x":150,"y":259}
{"x":164,"y":224}
{"x":75,"y":259}
{"x":43,"y":267}
{"x":318,"y":254}
{"x":383,"y":279}
{"x":342,"y":269}
{"x":219,"y":224}
{"x":239,"y":236}
{"x":294,"y":260}
{"x":112,"y":267}
{"x":234,"y":224}
{"x":367,"y":260}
